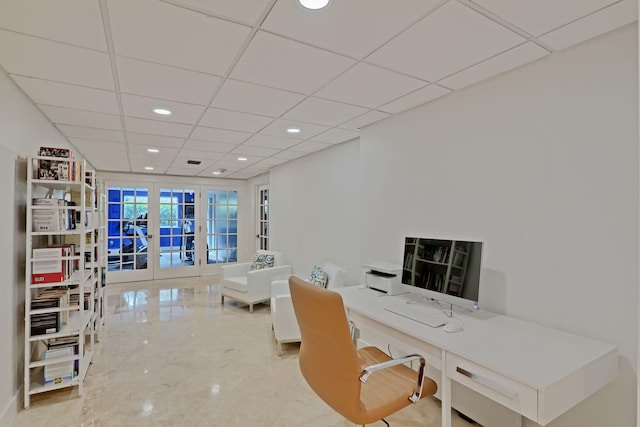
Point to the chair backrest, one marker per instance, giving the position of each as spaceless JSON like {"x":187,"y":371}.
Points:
{"x":328,"y":358}
{"x":337,"y":276}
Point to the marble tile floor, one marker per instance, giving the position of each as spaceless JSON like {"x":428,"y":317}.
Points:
{"x":171,"y":355}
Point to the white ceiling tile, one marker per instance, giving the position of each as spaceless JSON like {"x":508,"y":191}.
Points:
{"x":54,"y":61}
{"x":364,"y":120}
{"x":77,"y":22}
{"x":230,"y":161}
{"x":92,"y":146}
{"x":290,"y":154}
{"x":139,"y":162}
{"x":218,"y":147}
{"x":139,"y":152}
{"x":254,"y":151}
{"x":279,"y":128}
{"x":91,"y":133}
{"x":311,"y":146}
{"x":219,"y":135}
{"x":414,"y":99}
{"x":70,"y":96}
{"x":613,"y":17}
{"x":505,"y":61}
{"x":111,"y":165}
{"x":68,"y":116}
{"x":268,"y":141}
{"x":199,"y":155}
{"x":140,"y":167}
{"x":545,"y":16}
{"x":353,"y":27}
{"x":335,"y":136}
{"x":163,"y":33}
{"x":142,"y":107}
{"x":247,"y":11}
{"x":154,"y":140}
{"x":165,"y":82}
{"x":285,"y":64}
{"x":247,"y":173}
{"x":180,"y":171}
{"x":183,"y":163}
{"x":325,"y":112}
{"x":255,"y":99}
{"x":369,"y":86}
{"x":450,"y":39}
{"x":270,"y":162}
{"x":156,"y":127}
{"x":234,"y":120}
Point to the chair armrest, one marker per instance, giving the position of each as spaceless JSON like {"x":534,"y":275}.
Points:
{"x":364,"y":376}
{"x":279,"y":287}
{"x":270,"y":274}
{"x":236,"y":270}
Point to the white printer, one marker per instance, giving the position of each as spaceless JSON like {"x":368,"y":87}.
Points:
{"x":384,"y":277}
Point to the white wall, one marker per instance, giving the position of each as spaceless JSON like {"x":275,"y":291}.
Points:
{"x":315,"y":209}
{"x":542,"y":165}
{"x":22,"y":130}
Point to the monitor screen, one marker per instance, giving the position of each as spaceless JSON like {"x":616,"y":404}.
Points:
{"x":445,"y":270}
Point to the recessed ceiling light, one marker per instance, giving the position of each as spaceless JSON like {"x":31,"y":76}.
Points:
{"x":242,"y":159}
{"x":153,"y":150}
{"x":217,"y":172}
{"x":148,"y":168}
{"x":293,"y":130}
{"x":314,"y":4}
{"x":162,"y":111}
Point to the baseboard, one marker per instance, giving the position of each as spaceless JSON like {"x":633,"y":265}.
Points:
{"x":10,"y":411}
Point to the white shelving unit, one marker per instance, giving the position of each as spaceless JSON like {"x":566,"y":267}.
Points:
{"x":101,"y":268}
{"x":69,"y":322}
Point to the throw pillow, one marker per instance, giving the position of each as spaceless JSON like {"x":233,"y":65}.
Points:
{"x":319,"y":277}
{"x":261,"y":261}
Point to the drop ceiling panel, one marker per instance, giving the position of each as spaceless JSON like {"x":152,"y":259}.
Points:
{"x":69,"y":116}
{"x":325,"y":112}
{"x":218,"y":147}
{"x":369,"y":86}
{"x":269,"y":162}
{"x":279,"y":128}
{"x":219,"y":135}
{"x":505,"y":61}
{"x":70,"y":96}
{"x":247,"y":173}
{"x":545,"y":16}
{"x":140,"y":152}
{"x":364,"y":120}
{"x":234,"y":120}
{"x":271,"y":141}
{"x":612,"y":17}
{"x":451,"y":38}
{"x":174,"y":36}
{"x":157,"y":127}
{"x":112,"y":151}
{"x":354,"y":27}
{"x":416,"y":98}
{"x":142,"y":107}
{"x":164,"y":82}
{"x":76,"y":22}
{"x":285,"y":64}
{"x":335,"y":136}
{"x":290,"y":154}
{"x":154,"y":140}
{"x":54,"y":61}
{"x":311,"y":146}
{"x":231,"y":162}
{"x":180,"y":171}
{"x":247,"y":150}
{"x":91,"y":133}
{"x":247,"y":11}
{"x":199,"y":155}
{"x":255,"y":99}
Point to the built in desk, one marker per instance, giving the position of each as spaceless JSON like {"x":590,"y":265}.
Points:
{"x":522,"y":368}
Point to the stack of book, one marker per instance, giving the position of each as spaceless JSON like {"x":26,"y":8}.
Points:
{"x":49,"y":323}
{"x":57,"y":170}
{"x":52,"y":264}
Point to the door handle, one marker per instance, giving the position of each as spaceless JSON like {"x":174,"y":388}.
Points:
{"x":149,"y":236}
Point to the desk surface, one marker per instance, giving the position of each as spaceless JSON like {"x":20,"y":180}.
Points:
{"x":534,"y":355}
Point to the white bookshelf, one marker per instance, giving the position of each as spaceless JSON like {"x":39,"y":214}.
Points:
{"x":80,"y":226}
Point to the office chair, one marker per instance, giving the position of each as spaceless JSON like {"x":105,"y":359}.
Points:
{"x":364,"y":385}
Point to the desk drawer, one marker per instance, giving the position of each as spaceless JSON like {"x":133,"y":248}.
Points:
{"x":509,"y":393}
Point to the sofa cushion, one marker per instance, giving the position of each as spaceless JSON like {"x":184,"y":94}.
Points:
{"x":237,"y":283}
{"x":319,"y":277}
{"x":262,"y":261}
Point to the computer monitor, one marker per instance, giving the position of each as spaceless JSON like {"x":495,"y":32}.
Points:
{"x":443,"y":270}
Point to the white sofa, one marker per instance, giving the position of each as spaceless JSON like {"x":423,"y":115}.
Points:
{"x":251,"y":287}
{"x":283,"y":318}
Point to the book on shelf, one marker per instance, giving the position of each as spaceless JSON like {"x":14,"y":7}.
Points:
{"x":52,"y":270}
{"x":50,"y":220}
{"x":62,"y":170}
{"x":56,"y":373}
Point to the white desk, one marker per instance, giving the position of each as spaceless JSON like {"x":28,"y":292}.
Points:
{"x":534,"y":371}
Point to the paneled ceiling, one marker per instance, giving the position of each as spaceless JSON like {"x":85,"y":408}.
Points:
{"x":236,"y":74}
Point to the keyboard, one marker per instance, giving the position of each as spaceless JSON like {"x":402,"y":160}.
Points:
{"x":419,"y":314}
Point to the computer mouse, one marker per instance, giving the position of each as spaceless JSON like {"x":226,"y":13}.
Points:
{"x":452,"y":327}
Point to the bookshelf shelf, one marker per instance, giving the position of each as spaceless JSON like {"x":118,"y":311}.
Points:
{"x":63,"y":272}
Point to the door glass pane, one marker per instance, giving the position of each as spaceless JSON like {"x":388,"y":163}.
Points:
{"x":222,"y":229}
{"x":177,"y":227}
{"x":263,"y":221}
{"x":127,"y":228}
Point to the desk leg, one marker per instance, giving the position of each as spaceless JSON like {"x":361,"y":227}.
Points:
{"x":445,"y":392}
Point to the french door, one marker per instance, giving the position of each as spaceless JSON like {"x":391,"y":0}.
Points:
{"x":262,"y":215}
{"x":219,"y":232}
